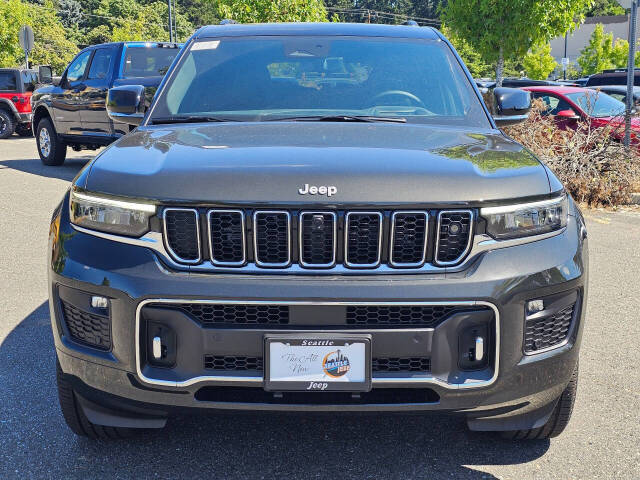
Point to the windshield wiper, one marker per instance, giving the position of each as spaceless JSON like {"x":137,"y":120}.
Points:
{"x":341,"y":118}
{"x":189,"y":119}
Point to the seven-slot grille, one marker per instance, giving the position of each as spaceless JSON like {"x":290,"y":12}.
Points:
{"x":454,"y":236}
{"x":318,"y":239}
{"x":408,"y":239}
{"x":226,"y":237}
{"x":272,"y":239}
{"x":363,"y":239}
{"x":265,"y":238}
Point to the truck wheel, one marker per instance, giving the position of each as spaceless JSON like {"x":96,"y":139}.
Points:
{"x":559,"y":418}
{"x":7,"y":124}
{"x":24,"y":130}
{"x":75,"y":417}
{"x":51,"y":149}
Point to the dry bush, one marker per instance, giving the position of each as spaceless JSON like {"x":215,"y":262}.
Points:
{"x":594,"y":167}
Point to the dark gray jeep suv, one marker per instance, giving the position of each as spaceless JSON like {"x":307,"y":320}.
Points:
{"x":317,"y":218}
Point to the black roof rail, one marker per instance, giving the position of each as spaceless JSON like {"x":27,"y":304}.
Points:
{"x":411,"y":23}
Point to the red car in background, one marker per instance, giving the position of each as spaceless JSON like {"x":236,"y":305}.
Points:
{"x":571,"y":105}
{"x":16,"y":87}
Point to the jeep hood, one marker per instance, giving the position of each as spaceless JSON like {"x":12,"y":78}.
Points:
{"x":267,"y":163}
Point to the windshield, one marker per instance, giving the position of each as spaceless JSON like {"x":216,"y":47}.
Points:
{"x":287,"y":77}
{"x":147,"y":61}
{"x":598,"y":104}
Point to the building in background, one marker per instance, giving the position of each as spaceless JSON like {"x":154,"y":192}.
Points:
{"x":618,"y":25}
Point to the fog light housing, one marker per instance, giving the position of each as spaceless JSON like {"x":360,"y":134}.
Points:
{"x":99,"y":302}
{"x":535,"y":306}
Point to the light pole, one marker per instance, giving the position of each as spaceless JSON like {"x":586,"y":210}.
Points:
{"x":632,"y":10}
{"x":170,"y":22}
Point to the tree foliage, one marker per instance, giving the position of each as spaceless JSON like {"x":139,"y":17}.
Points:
{"x":538,"y":63}
{"x":13,"y":14}
{"x":508,"y":29}
{"x":604,"y":7}
{"x":257,"y":11}
{"x":51,"y":45}
{"x":602,"y":53}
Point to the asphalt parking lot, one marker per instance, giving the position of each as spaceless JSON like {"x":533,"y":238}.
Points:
{"x":602,"y":441}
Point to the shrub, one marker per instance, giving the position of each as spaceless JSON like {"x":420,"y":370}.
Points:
{"x":593,"y":165}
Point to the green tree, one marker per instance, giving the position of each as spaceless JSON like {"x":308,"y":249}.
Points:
{"x":127,"y":20}
{"x":13,"y":14}
{"x":472,"y":59}
{"x":604,"y":7}
{"x":51,"y":45}
{"x":598,"y":54}
{"x":257,"y":11}
{"x":508,"y":29}
{"x":539,"y":63}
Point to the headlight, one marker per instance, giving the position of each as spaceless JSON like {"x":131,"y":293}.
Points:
{"x":526,"y":219}
{"x":110,"y":214}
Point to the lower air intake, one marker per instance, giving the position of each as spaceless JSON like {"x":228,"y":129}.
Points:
{"x":549,"y":332}
{"x":87,"y":328}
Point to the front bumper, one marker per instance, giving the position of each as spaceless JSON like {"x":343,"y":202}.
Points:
{"x":24,"y":117}
{"x":512,"y":387}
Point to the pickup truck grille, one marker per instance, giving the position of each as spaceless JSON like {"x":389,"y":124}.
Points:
{"x":282,"y":239}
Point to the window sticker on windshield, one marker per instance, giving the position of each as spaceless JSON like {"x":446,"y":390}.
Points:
{"x":211,"y":45}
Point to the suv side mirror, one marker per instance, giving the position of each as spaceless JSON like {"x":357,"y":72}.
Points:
{"x":126,"y":104}
{"x":45,"y":74}
{"x":512,"y":106}
{"x":567,"y":114}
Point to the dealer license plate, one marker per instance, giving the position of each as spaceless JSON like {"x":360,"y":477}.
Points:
{"x":318,"y":363}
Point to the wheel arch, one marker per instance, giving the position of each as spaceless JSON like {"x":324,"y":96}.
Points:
{"x":39,"y":113}
{"x":8,"y":106}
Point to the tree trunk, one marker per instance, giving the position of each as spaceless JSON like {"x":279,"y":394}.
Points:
{"x":500,"y":69}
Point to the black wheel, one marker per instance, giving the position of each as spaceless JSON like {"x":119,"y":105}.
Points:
{"x":559,"y":418}
{"x":24,"y":130}
{"x":7,"y":124}
{"x":75,"y":417}
{"x":51,"y":149}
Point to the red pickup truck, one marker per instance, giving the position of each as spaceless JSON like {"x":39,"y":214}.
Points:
{"x":16,"y":87}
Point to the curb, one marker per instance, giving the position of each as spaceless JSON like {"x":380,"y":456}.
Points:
{"x":635,"y":198}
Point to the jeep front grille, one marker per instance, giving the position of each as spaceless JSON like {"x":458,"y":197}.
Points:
{"x":182,"y":234}
{"x":454,"y":236}
{"x":272,"y":238}
{"x":307,"y":240}
{"x":408,"y":239}
{"x":318,"y":239}
{"x":363,"y":239}
{"x":226,"y":237}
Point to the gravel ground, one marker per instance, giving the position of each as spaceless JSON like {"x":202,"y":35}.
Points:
{"x":602,"y":440}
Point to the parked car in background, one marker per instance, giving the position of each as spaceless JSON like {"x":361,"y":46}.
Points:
{"x":619,"y":92}
{"x":572,"y":105}
{"x":72,"y":111}
{"x":16,"y":87}
{"x":581,"y":82}
{"x":616,"y":76}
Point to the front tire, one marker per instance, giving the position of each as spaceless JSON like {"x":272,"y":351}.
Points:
{"x":559,"y":418}
{"x":51,"y":148}
{"x":7,"y":124}
{"x":76,"y":419}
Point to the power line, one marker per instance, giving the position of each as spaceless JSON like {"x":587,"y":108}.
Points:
{"x":385,"y":15}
